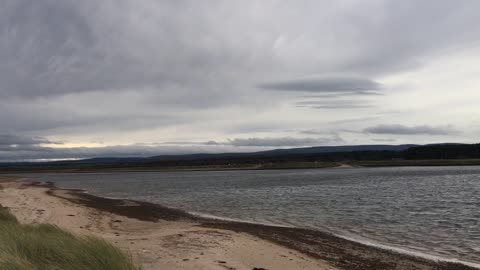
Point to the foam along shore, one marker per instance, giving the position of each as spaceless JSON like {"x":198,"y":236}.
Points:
{"x":165,"y":238}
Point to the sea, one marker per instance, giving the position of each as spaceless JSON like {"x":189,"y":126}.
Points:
{"x":432,"y":212}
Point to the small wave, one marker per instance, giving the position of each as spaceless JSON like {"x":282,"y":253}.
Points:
{"x":401,"y":250}
{"x":353,"y":238}
{"x":209,"y":216}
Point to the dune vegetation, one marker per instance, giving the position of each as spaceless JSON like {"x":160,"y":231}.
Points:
{"x":47,"y":247}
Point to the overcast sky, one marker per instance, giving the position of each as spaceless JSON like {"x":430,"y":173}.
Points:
{"x":145,"y":77}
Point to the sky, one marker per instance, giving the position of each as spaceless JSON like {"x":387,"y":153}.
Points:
{"x":92,"y":78}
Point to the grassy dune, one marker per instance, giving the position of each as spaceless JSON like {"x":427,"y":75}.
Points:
{"x":47,"y":247}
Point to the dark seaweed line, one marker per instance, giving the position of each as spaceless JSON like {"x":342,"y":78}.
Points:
{"x":339,"y":252}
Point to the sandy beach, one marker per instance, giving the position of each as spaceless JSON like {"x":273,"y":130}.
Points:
{"x":164,"y":244}
{"x":164,"y":238}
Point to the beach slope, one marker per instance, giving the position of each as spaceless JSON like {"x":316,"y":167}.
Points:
{"x":163,"y":238}
{"x":173,"y":243}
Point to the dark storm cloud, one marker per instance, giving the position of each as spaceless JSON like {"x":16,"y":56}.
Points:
{"x":328,"y":84}
{"x":54,"y":47}
{"x":44,"y":45}
{"x":57,"y":47}
{"x":414,"y":130}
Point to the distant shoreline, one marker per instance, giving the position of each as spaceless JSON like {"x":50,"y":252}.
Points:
{"x":337,"y":251}
{"x":269,"y":166}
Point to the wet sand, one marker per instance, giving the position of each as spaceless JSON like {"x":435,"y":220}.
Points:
{"x":163,"y":238}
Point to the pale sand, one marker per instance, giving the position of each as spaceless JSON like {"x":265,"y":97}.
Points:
{"x":155,"y":245}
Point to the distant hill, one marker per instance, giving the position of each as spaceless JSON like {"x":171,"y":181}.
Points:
{"x":443,"y":151}
{"x":291,"y":151}
{"x":320,"y":156}
{"x":217,"y":158}
{"x":340,"y":149}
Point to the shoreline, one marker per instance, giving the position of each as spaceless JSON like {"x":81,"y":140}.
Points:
{"x":360,"y":240}
{"x":336,"y":251}
{"x":292,"y":237}
{"x":259,"y":167}
{"x":157,"y":238}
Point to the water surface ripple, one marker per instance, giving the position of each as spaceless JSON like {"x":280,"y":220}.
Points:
{"x":433,"y":210}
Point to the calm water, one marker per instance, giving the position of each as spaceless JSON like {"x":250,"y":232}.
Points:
{"x":434,"y":210}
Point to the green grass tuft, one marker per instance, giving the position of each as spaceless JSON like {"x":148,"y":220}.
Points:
{"x":7,"y":216}
{"x":47,"y":247}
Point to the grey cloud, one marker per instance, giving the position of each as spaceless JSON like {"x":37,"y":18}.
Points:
{"x":353,"y":120}
{"x":41,"y":44}
{"x":19,"y":148}
{"x":311,"y":132}
{"x":260,"y":126}
{"x":414,"y":130}
{"x":335,"y":104}
{"x":284,"y":141}
{"x":86,"y":67}
{"x":24,"y":148}
{"x":14,"y":148}
{"x":47,"y":153}
{"x":77,"y":113}
{"x":55,"y":47}
{"x":8,"y":139}
{"x":410,"y":33}
{"x":38,"y":152}
{"x":326,"y":84}
{"x":17,"y":143}
{"x":72,"y":46}
{"x":388,"y":140}
{"x":347,"y":94}
{"x":211,"y":142}
{"x":271,"y":141}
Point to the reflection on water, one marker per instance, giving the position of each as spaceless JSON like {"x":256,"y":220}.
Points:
{"x":431,"y":210}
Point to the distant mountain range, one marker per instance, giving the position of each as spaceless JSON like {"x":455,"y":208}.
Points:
{"x":268,"y":153}
{"x":279,"y":158}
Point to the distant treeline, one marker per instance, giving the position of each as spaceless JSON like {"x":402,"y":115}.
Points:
{"x":428,"y":152}
{"x":283,"y":158}
{"x":270,"y":159}
{"x":443,"y":151}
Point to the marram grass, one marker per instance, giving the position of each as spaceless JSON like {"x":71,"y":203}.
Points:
{"x":47,"y":247}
